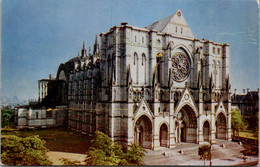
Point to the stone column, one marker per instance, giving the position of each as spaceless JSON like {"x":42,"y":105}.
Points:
{"x":213,"y":129}
{"x":200,"y":129}
{"x":156,"y":142}
{"x":171,"y":122}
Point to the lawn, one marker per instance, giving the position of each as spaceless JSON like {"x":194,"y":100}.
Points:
{"x":247,"y":134}
{"x":58,"y":139}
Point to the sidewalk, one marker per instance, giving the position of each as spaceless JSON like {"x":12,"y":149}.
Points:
{"x":187,"y":154}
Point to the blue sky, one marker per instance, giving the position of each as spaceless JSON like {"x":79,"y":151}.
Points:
{"x":38,"y":35}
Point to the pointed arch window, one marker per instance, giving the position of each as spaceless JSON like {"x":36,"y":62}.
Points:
{"x":144,"y":67}
{"x":159,"y":66}
{"x":135,"y":58}
{"x":214,"y":72}
{"x":219,"y":74}
{"x":143,"y":59}
{"x":136,"y":64}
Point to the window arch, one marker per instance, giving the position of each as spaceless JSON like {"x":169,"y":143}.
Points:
{"x":135,"y":58}
{"x":136,"y":66}
{"x":214,"y":72}
{"x":219,"y":74}
{"x":144,"y":68}
{"x":143,"y":59}
{"x":202,"y":70}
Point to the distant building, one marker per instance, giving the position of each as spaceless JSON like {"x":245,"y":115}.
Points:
{"x":248,"y":103}
{"x":27,"y":117}
{"x":50,"y":110}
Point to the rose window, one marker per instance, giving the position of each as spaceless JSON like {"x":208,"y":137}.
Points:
{"x":180,"y":67}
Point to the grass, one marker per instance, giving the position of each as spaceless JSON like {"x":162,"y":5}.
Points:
{"x":247,"y":134}
{"x":57,"y":139}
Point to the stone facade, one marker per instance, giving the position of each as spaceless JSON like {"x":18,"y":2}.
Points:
{"x":156,"y":86}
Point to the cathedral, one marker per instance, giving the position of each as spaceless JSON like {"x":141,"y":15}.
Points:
{"x":156,"y":86}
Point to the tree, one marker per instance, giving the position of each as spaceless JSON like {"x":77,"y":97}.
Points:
{"x":256,"y":129}
{"x":7,"y":116}
{"x":134,"y":155}
{"x":237,"y":122}
{"x":104,"y":151}
{"x":204,"y":152}
{"x":23,"y":151}
{"x":68,"y":162}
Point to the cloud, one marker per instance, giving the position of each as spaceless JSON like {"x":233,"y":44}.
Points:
{"x":231,"y":33}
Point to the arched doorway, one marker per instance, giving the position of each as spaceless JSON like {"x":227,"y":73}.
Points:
{"x":206,"y":131}
{"x":163,"y":135}
{"x":188,"y":125}
{"x":221,"y":126}
{"x":143,"y":132}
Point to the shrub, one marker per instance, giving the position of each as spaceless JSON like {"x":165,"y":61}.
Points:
{"x":7,"y":116}
{"x":104,"y":151}
{"x":23,"y":151}
{"x":204,"y":152}
{"x":68,"y":162}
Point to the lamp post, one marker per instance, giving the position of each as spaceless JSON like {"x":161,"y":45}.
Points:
{"x":210,"y":162}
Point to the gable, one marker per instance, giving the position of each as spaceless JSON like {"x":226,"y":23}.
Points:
{"x":174,"y":24}
{"x":186,"y":99}
{"x":143,"y":109}
{"x":221,"y":108}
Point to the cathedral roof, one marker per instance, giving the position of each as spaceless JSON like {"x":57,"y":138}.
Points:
{"x":174,"y":24}
{"x":73,"y":59}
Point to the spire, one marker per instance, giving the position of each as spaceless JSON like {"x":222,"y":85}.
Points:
{"x":95,"y":46}
{"x":83,"y":51}
{"x":96,"y":40}
{"x":89,"y":51}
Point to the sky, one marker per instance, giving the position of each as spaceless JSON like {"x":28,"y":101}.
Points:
{"x":38,"y":35}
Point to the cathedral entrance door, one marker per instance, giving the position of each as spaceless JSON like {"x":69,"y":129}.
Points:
{"x":143,"y":132}
{"x":221,"y":126}
{"x":206,"y":131}
{"x":163,"y":135}
{"x":140,"y":140}
{"x":183,"y":132}
{"x":189,"y":124}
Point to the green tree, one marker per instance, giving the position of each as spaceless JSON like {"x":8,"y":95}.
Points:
{"x":204,"y":152}
{"x":237,"y":122}
{"x":23,"y":151}
{"x":104,"y":151}
{"x":7,"y":116}
{"x":134,"y":155}
{"x":256,"y":129}
{"x":68,"y":162}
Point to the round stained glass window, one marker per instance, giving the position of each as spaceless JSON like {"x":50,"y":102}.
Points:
{"x":180,"y":66}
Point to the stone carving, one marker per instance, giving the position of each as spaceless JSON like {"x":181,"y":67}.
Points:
{"x":180,"y":67}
